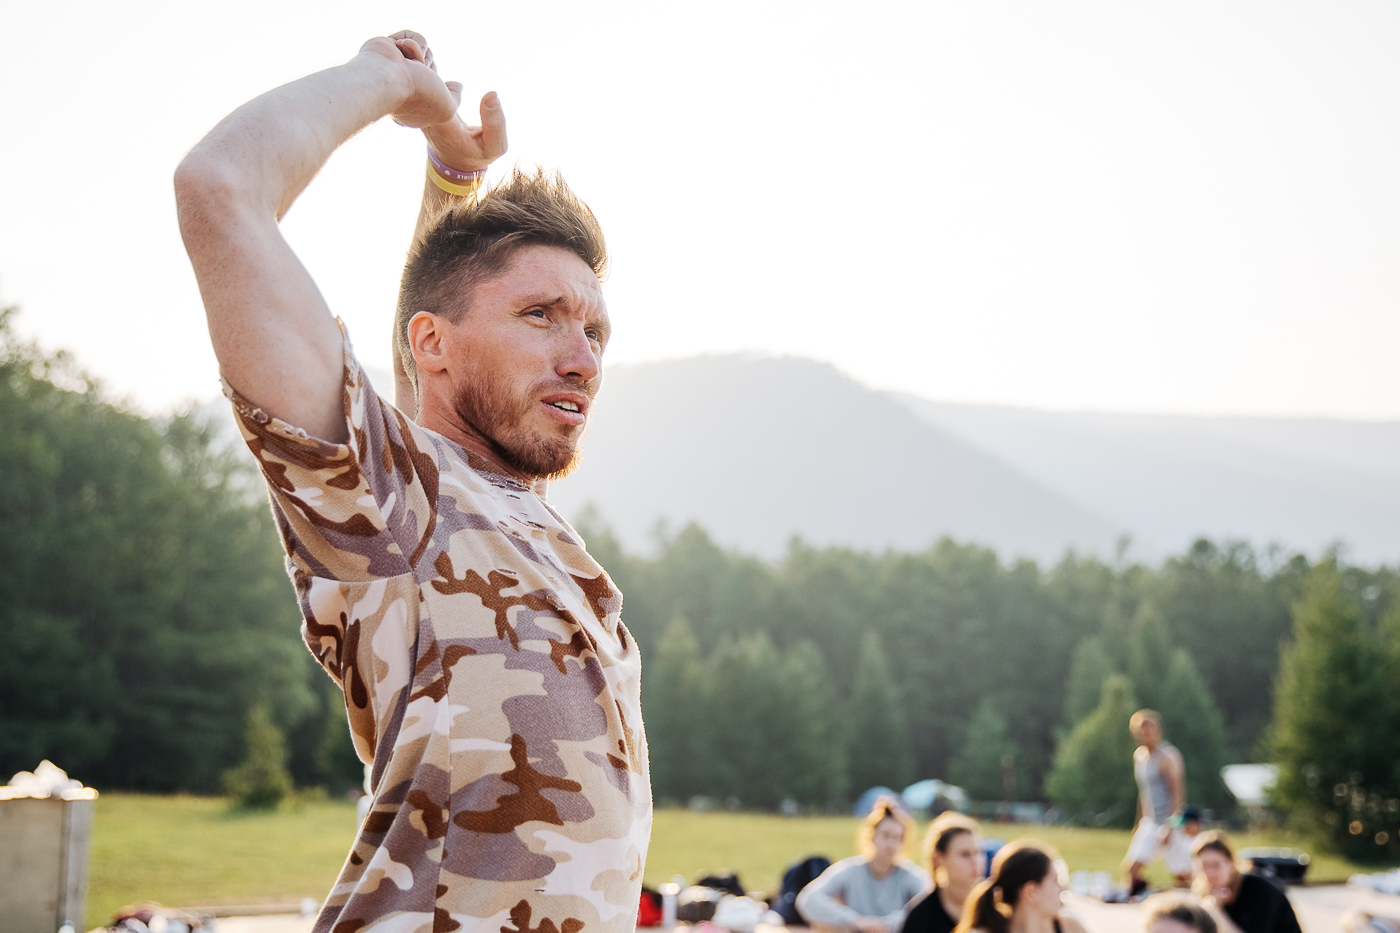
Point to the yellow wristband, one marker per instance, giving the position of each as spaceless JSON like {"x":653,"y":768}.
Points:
{"x":461,"y":191}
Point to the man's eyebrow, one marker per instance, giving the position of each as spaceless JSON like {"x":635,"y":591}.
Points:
{"x":548,"y":299}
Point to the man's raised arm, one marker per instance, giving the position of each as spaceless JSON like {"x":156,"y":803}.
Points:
{"x":272,"y":332}
{"x":459,"y":155}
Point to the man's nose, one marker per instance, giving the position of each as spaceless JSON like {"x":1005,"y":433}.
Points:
{"x":576,"y":357}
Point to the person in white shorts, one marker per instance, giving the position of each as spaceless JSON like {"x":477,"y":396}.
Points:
{"x":1161,"y":780}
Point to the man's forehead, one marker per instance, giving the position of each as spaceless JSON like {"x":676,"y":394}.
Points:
{"x":547,"y":274}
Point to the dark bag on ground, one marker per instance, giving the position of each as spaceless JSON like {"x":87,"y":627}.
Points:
{"x":798,"y":876}
{"x":729,"y":884}
{"x":697,"y":903}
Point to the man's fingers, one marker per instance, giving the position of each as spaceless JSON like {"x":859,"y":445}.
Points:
{"x":416,"y":37}
{"x":493,"y":125}
{"x":410,"y":49}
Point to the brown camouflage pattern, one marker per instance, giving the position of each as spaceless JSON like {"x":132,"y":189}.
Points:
{"x":488,"y":679}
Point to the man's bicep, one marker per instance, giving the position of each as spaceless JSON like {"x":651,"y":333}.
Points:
{"x":274,"y":337}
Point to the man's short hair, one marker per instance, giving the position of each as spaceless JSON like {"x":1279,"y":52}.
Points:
{"x":1145,"y":715}
{"x":478,"y":239}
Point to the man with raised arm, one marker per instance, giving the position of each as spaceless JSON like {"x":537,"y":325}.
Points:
{"x":488,"y":677}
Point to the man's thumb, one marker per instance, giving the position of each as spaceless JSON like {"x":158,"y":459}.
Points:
{"x":493,"y":121}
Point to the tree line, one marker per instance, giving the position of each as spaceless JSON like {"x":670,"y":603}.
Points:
{"x":150,"y":631}
{"x":143,"y":603}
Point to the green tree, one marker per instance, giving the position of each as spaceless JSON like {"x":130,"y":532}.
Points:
{"x":980,"y":767}
{"x":671,"y":699}
{"x":142,"y":594}
{"x":1092,"y":778}
{"x":1090,"y":668}
{"x":1231,"y":616}
{"x":765,"y":727}
{"x":878,"y":736}
{"x":1166,"y":679}
{"x":1336,"y":728}
{"x":261,"y":781}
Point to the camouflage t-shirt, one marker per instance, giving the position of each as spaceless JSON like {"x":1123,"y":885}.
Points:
{"x":487,"y":674}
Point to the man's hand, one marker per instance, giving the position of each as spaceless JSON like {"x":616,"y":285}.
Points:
{"x":870,"y":925}
{"x":465,"y":148}
{"x":425,"y":100}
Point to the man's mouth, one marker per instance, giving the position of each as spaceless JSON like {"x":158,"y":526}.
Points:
{"x":565,"y":406}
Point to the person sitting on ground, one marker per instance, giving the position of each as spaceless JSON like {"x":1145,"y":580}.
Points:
{"x":1175,"y":912}
{"x":1253,"y":903}
{"x":1021,"y":894}
{"x":867,"y":892}
{"x":1190,"y":823}
{"x":953,"y":847}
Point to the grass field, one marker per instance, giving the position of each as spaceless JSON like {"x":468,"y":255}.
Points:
{"x":193,"y":851}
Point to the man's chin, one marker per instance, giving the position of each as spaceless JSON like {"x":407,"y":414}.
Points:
{"x":575,"y":457}
{"x":551,"y":459}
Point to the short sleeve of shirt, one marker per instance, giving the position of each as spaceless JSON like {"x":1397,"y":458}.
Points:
{"x":358,"y":511}
{"x":354,"y":518}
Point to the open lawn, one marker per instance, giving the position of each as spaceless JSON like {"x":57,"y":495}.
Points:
{"x":191,"y":851}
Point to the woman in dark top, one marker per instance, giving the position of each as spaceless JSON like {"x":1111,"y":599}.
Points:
{"x":1255,"y":904}
{"x":953,"y":848}
{"x":1022,"y":893}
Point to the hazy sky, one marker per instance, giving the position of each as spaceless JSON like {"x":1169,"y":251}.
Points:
{"x":1189,"y":207}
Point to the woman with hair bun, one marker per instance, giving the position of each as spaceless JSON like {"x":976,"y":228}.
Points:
{"x":867,"y":893}
{"x":953,"y":848}
{"x":1022,"y":895}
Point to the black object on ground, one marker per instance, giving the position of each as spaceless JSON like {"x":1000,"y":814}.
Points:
{"x":1288,"y":866}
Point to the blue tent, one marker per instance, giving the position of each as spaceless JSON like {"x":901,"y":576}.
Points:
{"x":920,"y":796}
{"x":866,"y":801}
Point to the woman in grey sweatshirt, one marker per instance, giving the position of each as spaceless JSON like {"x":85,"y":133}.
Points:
{"x":867,"y":893}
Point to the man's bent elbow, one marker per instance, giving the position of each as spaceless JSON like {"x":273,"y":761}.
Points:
{"x":205,"y":186}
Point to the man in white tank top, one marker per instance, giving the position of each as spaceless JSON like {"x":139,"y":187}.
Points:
{"x":1161,"y":780}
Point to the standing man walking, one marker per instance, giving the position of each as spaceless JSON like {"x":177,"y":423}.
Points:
{"x":1161,"y":780}
{"x":488,"y":678}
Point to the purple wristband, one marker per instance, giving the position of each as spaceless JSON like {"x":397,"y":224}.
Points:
{"x":452,"y":173}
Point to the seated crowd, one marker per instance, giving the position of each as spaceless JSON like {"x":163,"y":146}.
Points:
{"x":882,"y":891}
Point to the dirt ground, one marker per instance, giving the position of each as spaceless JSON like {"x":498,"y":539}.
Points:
{"x":1319,"y":910}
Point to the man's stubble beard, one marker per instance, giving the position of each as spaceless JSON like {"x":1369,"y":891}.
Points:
{"x":487,"y":406}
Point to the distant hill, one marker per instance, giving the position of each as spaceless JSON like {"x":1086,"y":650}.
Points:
{"x":760,"y":450}
{"x":1304,"y":483}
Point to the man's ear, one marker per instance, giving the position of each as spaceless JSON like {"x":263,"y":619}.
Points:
{"x":427,"y":338}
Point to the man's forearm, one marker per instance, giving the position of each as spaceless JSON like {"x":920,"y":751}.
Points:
{"x":268,"y":150}
{"x":274,"y":337}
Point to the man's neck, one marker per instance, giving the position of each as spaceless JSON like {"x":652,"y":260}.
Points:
{"x":452,"y":426}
